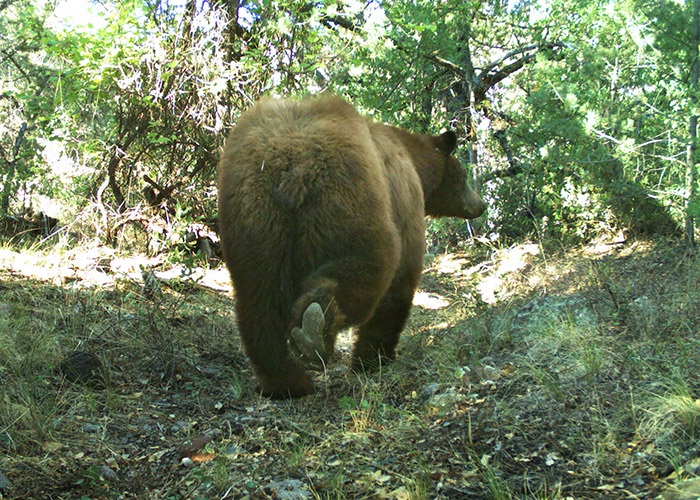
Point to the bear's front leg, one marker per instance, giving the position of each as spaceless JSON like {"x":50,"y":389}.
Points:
{"x":293,"y":381}
{"x":377,"y":338}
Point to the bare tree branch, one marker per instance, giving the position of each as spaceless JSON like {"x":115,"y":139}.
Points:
{"x":487,"y":79}
{"x":11,"y":165}
{"x":328,"y":21}
{"x":507,"y":56}
{"x":5,"y":4}
{"x":445,"y":63}
{"x":18,"y":66}
{"x":491,"y":74}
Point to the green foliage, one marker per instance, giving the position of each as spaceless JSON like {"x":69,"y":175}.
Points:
{"x":573,"y":115}
{"x":601,"y":131}
{"x":22,"y":80}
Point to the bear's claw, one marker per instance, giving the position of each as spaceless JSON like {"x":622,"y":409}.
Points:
{"x":307,"y":342}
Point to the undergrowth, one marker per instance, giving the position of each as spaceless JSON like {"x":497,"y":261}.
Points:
{"x":598,"y":398}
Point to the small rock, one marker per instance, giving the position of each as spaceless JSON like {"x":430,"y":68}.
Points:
{"x":289,"y":489}
{"x":445,"y":400}
{"x":108,"y":474}
{"x":684,"y":490}
{"x":84,"y":367}
{"x":430,"y":390}
{"x":4,"y":483}
{"x":91,"y":428}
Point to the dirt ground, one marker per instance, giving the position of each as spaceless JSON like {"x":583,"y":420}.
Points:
{"x":487,"y":400}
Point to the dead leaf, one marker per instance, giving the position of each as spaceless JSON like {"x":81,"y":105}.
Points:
{"x":400,"y":494}
{"x":507,"y":369}
{"x":157,"y":455}
{"x":552,"y":458}
{"x":52,"y":446}
{"x":610,"y":487}
{"x":191,"y":446}
{"x":199,"y":458}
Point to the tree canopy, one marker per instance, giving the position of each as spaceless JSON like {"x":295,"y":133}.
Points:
{"x":576,"y":117}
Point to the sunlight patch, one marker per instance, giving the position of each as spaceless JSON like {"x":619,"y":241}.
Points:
{"x":448,"y":264}
{"x":513,"y":259}
{"x":429,"y":300}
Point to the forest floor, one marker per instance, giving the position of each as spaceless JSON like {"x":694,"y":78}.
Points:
{"x":523,"y":373}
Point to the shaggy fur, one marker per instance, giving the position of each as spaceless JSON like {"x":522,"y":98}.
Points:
{"x":319,"y":204}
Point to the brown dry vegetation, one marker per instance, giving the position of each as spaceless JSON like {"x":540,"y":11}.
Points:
{"x":599,"y":401}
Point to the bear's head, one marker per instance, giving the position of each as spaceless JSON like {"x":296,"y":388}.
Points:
{"x":454,"y":196}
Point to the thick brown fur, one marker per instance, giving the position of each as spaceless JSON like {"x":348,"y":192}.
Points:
{"x":319,"y":204}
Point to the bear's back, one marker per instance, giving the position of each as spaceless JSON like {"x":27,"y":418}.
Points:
{"x":285,"y":152}
{"x":326,"y":121}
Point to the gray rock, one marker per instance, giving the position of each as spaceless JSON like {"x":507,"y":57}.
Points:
{"x":108,"y":474}
{"x":545,"y":311}
{"x":643,"y":312}
{"x":684,"y":490}
{"x":289,"y":489}
{"x":430,"y":390}
{"x":445,"y":400}
{"x":4,"y":483}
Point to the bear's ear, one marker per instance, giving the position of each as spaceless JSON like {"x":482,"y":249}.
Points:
{"x":446,"y":142}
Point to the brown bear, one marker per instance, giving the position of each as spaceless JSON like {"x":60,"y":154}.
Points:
{"x":322,"y":222}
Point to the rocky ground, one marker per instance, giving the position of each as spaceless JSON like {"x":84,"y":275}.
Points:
{"x":524,"y":373}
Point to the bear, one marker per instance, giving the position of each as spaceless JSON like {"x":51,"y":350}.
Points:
{"x":322,"y":227}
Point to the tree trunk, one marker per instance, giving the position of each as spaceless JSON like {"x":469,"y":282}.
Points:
{"x":690,"y":169}
{"x":464,"y":104}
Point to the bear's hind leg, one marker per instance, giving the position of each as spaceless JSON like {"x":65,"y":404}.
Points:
{"x":316,"y":319}
{"x":281,"y":375}
{"x":346,"y":292}
{"x":307,"y":342}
